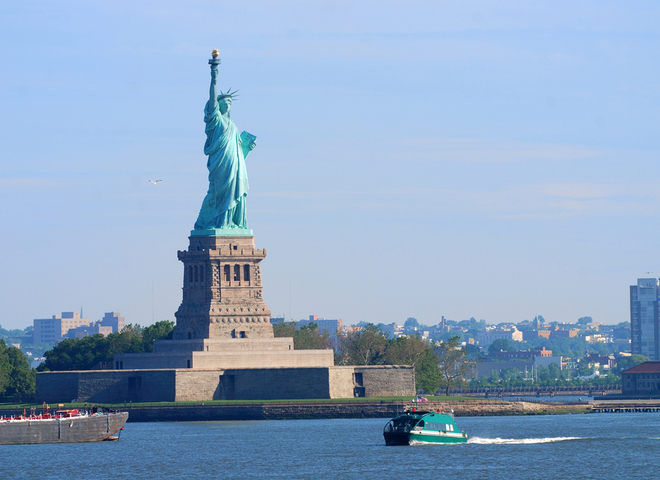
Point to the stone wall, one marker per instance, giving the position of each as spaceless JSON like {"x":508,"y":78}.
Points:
{"x":169,"y":385}
{"x":106,"y":386}
{"x":387,"y":380}
{"x":210,"y":360}
{"x":341,"y":382}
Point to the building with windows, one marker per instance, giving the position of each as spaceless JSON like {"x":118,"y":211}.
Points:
{"x":488,"y":336}
{"x":53,"y":330}
{"x":644,"y":378}
{"x":332,"y":327}
{"x":114,"y":320}
{"x":644,"y":318}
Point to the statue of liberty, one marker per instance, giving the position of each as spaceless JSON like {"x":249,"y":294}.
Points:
{"x":224,"y":204}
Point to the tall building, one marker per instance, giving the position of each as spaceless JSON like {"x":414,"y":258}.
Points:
{"x":114,"y":320}
{"x":644,"y":318}
{"x":52,"y":330}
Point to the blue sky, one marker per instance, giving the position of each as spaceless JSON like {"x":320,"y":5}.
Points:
{"x":489,"y":159}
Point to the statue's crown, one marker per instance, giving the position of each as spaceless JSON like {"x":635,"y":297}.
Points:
{"x":228,"y":94}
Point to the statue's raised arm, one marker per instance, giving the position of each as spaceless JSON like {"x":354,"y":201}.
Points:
{"x":213,"y":95}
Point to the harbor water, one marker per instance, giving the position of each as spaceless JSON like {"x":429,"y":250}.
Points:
{"x":590,"y":446}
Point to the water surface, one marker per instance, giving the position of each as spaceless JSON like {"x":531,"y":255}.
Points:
{"x":592,"y":446}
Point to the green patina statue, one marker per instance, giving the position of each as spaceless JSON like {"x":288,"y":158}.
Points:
{"x":223,"y":209}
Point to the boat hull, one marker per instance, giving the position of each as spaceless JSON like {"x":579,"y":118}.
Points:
{"x":93,"y":428}
{"x":412,"y":438}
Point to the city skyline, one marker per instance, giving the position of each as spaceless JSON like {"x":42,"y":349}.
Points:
{"x":482,"y":160}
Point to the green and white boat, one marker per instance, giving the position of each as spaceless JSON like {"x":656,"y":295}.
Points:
{"x":419,"y":426}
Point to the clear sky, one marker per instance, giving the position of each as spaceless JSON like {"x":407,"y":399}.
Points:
{"x":487,"y":159}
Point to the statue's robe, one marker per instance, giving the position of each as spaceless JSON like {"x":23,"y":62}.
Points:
{"x":224,"y":204}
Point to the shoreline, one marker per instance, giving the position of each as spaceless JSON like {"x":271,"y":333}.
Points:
{"x":320,"y":410}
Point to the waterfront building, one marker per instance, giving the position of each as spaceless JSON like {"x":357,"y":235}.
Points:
{"x":644,"y":378}
{"x":644,"y":318}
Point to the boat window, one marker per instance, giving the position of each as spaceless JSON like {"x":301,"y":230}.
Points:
{"x":451,"y":428}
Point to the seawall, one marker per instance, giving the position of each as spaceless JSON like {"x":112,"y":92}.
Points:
{"x":321,"y":410}
{"x":277,"y":411}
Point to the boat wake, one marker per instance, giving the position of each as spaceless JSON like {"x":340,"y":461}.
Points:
{"x":519,"y":441}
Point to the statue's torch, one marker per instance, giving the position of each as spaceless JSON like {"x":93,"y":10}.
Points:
{"x":215,"y":60}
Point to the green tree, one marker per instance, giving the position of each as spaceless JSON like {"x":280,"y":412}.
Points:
{"x":5,"y":367}
{"x":158,"y":331}
{"x":365,"y":347}
{"x":454,"y":365}
{"x":308,"y":337}
{"x":22,"y":378}
{"x":17,"y":379}
{"x":554,"y":371}
{"x":629,"y":362}
{"x":284,"y":329}
{"x":501,"y":344}
{"x":87,"y":352}
{"x":419,"y":354}
{"x":411,"y":322}
{"x":511,"y":376}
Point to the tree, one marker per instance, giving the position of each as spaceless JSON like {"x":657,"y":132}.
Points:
{"x":417,"y":353}
{"x":22,"y":378}
{"x":454,"y":365}
{"x":158,"y":331}
{"x":284,"y":329}
{"x":309,"y":338}
{"x":629,"y":362}
{"x":554,"y":371}
{"x":501,"y":344}
{"x":17,"y":379}
{"x":584,"y":320}
{"x":411,"y":322}
{"x":365,"y":347}
{"x":87,"y":352}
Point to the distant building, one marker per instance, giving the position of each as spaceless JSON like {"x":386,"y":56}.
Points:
{"x":644,"y":378}
{"x":89,"y":330}
{"x":644,"y":318}
{"x":564,"y":333}
{"x":534,"y":334}
{"x":392,"y":330}
{"x":332,"y":327}
{"x":347,"y":330}
{"x":488,"y":336}
{"x":114,"y":320}
{"x":72,"y":325}
{"x":52,"y":330}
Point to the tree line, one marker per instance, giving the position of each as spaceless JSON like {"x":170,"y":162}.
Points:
{"x":445,"y":365}
{"x":17,"y":379}
{"x":87,"y":352}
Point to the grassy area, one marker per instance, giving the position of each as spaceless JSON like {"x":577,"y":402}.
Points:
{"x":7,"y":406}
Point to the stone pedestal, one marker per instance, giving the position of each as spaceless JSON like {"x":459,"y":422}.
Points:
{"x":222,"y":291}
